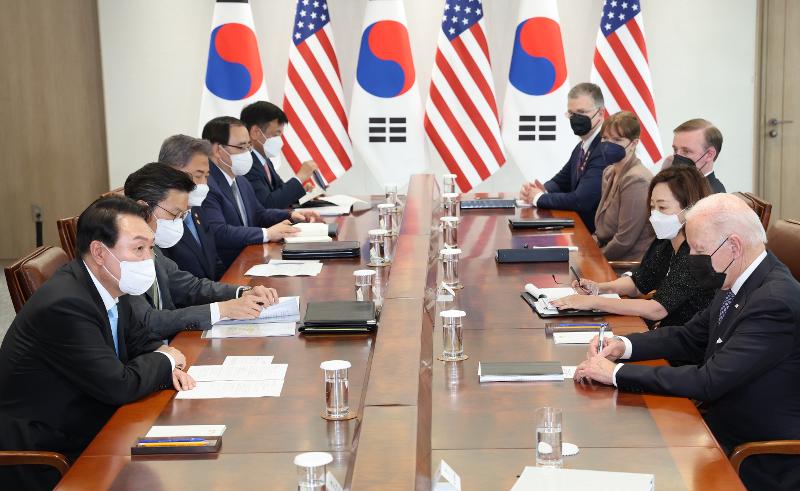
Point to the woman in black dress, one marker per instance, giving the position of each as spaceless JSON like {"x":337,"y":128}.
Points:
{"x":676,"y":297}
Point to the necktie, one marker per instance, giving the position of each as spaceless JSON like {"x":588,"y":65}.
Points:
{"x":581,"y":160}
{"x":112,"y":319}
{"x":726,"y":304}
{"x":192,"y":229}
{"x":269,"y":174}
{"x":239,"y":202}
{"x":155,"y":294}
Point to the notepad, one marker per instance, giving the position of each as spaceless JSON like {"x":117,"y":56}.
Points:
{"x":286,"y":310}
{"x":213,"y":373}
{"x":552,"y":479}
{"x":279,"y":267}
{"x":578,"y":337}
{"x":541,"y":298}
{"x":520,"y":371}
{"x":309,"y":232}
{"x":185,"y":430}
{"x":251,"y":330}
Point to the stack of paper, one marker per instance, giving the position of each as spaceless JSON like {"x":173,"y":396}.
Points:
{"x":309,"y":232}
{"x":279,"y":267}
{"x":251,"y":330}
{"x":286,"y":310}
{"x":239,"y":376}
{"x":552,"y":479}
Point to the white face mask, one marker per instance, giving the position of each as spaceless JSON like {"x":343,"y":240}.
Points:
{"x":240,"y":163}
{"x":168,"y":232}
{"x":272,"y":146}
{"x":665,"y":226}
{"x":136,"y":277}
{"x":198,"y":194}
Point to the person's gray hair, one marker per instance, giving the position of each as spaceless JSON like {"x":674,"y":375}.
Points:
{"x":726,"y":214}
{"x":590,"y":89}
{"x":178,"y":150}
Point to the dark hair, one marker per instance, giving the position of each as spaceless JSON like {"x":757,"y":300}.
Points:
{"x":178,"y":150}
{"x":218,"y":130}
{"x":99,"y":221}
{"x":153,"y":182}
{"x":686,"y":183}
{"x":261,"y":113}
{"x":624,"y":124}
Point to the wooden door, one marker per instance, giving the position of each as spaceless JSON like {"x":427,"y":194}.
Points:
{"x":52,"y":124}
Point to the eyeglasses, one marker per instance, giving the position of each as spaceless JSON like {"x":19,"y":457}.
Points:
{"x":246,"y":147}
{"x":582,"y":112}
{"x":179,"y":216}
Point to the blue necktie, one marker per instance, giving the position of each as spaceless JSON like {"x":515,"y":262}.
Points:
{"x":112,"y":319}
{"x":726,"y":304}
{"x":190,"y":225}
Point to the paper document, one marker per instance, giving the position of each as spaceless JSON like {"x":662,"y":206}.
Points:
{"x":251,"y":330}
{"x":578,"y":337}
{"x":185,"y":430}
{"x":238,"y":361}
{"x":286,"y":310}
{"x":551,"y":479}
{"x":233,"y":389}
{"x":212,"y":373}
{"x":569,"y":371}
{"x":279,"y":267}
{"x":544,"y":296}
{"x":342,"y":205}
{"x":310,"y":232}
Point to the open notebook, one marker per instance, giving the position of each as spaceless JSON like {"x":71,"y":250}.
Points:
{"x":539,"y":300}
{"x":310,"y":232}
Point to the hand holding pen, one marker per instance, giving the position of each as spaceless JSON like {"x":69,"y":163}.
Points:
{"x":583,"y":286}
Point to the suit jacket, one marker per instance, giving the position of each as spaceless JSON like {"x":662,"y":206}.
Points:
{"x":185,"y":299}
{"x":60,"y":378}
{"x":199,"y":259}
{"x":621,"y":224}
{"x":715,"y":183}
{"x":746,"y":369}
{"x":569,"y":191}
{"x":224,"y":222}
{"x":275,"y":194}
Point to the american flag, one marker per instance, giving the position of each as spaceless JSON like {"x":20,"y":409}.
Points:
{"x":622,"y":70}
{"x":312,"y":98}
{"x":461,"y":114}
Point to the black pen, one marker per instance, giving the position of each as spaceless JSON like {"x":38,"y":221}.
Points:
{"x":579,"y":280}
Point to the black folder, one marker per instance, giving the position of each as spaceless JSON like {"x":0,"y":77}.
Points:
{"x":339,"y":317}
{"x":542,"y":255}
{"x":540,"y":223}
{"x":322,"y":250}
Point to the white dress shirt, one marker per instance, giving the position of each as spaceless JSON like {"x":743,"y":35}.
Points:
{"x":230,"y":183}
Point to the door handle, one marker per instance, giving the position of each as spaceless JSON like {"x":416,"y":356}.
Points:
{"x":776,"y":122}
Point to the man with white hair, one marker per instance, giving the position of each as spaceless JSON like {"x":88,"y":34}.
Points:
{"x":745,"y":344}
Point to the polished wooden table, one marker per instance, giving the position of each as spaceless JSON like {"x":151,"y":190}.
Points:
{"x":414,"y":410}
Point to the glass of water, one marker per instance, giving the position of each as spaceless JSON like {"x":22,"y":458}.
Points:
{"x":337,"y":388}
{"x":391,"y":193}
{"x":311,"y":470}
{"x":363,"y":284}
{"x":548,"y":437}
{"x":449,"y":183}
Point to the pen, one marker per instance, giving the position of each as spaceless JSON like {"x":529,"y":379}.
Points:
{"x":579,"y":279}
{"x":601,"y":338}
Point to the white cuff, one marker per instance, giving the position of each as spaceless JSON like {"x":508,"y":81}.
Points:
{"x":628,"y":347}
{"x":614,"y":375}
{"x":171,"y":359}
{"x":535,"y":200}
{"x":214,"y":313}
{"x":266,"y":235}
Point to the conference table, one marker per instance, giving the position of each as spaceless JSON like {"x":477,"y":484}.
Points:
{"x":412,"y":410}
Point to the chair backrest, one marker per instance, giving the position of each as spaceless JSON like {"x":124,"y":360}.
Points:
{"x":68,"y":233}
{"x":783,"y":239}
{"x":762,"y":208}
{"x":120,"y":191}
{"x":27,"y":274}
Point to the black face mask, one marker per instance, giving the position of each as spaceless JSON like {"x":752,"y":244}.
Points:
{"x":681,"y":160}
{"x":703,"y":271}
{"x":612,"y":152}
{"x":581,"y":124}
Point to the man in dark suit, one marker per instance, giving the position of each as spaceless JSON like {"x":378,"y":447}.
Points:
{"x":578,"y":185}
{"x":178,"y":300}
{"x":75,"y":352}
{"x":698,"y":142}
{"x":233,"y":214}
{"x":264,"y":122}
{"x":745,"y":345}
{"x":196,"y":252}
